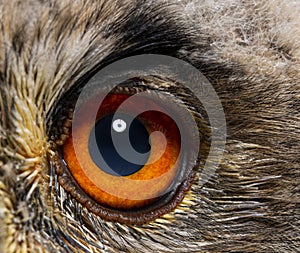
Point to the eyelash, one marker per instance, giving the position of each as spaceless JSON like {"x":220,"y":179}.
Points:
{"x":61,"y":131}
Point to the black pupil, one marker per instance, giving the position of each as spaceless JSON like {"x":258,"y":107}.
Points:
{"x":102,"y":142}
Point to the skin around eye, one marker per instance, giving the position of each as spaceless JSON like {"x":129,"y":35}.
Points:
{"x":134,"y":189}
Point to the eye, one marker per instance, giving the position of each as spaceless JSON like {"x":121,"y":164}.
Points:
{"x":128,"y":147}
{"x":151,"y":141}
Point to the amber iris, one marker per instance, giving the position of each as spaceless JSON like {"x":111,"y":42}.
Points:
{"x":123,"y":186}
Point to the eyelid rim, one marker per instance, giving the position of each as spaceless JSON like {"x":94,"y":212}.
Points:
{"x":164,"y":205}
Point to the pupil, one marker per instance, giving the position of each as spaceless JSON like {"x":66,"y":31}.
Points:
{"x":103,"y":143}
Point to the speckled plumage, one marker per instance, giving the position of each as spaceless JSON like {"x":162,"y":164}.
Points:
{"x":249,"y":51}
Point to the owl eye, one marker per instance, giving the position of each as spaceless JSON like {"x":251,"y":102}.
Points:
{"x":151,"y":142}
{"x":131,"y":144}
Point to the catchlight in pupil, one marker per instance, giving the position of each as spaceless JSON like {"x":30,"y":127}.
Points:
{"x":110,"y":161}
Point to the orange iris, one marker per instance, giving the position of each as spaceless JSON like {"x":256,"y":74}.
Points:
{"x":144,"y":186}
